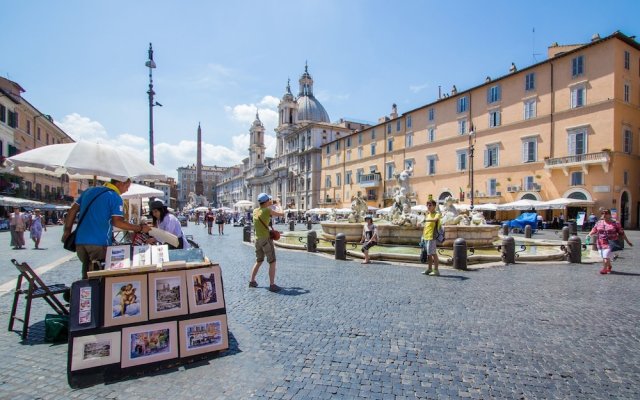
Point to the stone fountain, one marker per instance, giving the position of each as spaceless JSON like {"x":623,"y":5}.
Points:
{"x":402,"y":226}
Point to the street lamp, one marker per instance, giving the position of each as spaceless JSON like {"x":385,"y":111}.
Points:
{"x":151,"y":65}
{"x":472,"y":144}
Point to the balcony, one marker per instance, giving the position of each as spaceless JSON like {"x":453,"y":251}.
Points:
{"x":369,"y":180}
{"x":583,"y":161}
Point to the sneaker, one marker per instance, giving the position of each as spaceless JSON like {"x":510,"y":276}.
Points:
{"x":253,"y":284}
{"x":427,"y":272}
{"x":274,"y":288}
{"x":435,"y":272}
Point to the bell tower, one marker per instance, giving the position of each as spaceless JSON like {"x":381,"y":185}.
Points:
{"x":256,"y":143}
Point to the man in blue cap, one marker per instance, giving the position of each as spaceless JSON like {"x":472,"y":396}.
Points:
{"x":263,"y":244}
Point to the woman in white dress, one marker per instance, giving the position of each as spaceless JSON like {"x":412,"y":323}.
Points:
{"x":36,"y":226}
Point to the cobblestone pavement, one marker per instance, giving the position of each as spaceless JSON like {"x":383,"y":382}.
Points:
{"x":384,"y":331}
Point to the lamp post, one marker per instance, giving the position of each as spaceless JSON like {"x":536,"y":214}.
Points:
{"x":472,"y":143}
{"x":151,"y":65}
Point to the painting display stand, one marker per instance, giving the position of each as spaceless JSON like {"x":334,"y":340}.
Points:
{"x":130,"y":322}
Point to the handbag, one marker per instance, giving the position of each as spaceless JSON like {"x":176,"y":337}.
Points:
{"x":614,"y":245}
{"x":70,"y":241}
{"x":273,"y":234}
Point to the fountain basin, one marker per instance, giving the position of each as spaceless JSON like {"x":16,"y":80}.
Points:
{"x":478,"y":235}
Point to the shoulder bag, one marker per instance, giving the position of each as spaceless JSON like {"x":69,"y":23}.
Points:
{"x":70,"y":241}
{"x":273,"y":234}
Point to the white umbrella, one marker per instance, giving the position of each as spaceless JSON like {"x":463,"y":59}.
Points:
{"x":419,"y":208}
{"x":522,"y":204}
{"x":83,"y":160}
{"x":384,"y":211}
{"x":343,"y":210}
{"x":486,"y":207}
{"x":563,"y":202}
{"x":8,"y":201}
{"x":137,"y":190}
{"x":243,"y":204}
{"x":201,"y":209}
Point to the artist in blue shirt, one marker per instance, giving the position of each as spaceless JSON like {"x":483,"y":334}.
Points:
{"x":102,"y":208}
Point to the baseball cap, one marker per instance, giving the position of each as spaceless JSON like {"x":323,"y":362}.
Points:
{"x":263,"y":198}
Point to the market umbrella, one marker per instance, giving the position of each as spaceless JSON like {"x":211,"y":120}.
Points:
{"x":138,"y":191}
{"x":522,"y":204}
{"x":84,"y":160}
{"x":201,"y":209}
{"x":9,"y":201}
{"x":243,"y":204}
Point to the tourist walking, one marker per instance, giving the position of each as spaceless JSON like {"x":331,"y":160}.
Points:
{"x":36,"y":226}
{"x":220,"y":221}
{"x":263,"y":242}
{"x":608,"y":232}
{"x":432,"y":225}
{"x":208,"y":219}
{"x":17,"y":226}
{"x":369,"y":238}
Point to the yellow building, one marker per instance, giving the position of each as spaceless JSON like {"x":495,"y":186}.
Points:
{"x":563,"y":127}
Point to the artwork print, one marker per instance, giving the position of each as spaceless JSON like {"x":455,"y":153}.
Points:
{"x":203,"y":335}
{"x":145,"y":344}
{"x":168,"y":295}
{"x":149,"y":343}
{"x":126,"y":300}
{"x":204,"y":287}
{"x":95,"y":350}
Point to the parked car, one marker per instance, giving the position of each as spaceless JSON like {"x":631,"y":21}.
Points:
{"x":183,"y":220}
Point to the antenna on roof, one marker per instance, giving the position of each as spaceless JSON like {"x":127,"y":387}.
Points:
{"x":533,"y":45}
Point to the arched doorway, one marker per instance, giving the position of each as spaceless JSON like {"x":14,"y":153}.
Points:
{"x":443,"y":196}
{"x":573,"y":213}
{"x":624,"y":209}
{"x":529,"y":196}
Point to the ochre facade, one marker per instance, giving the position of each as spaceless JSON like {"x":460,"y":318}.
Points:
{"x":565,"y":127}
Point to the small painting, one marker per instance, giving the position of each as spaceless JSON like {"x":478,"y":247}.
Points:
{"x":205,"y":289}
{"x":125,"y":300}
{"x":95,"y":350}
{"x":149,"y":343}
{"x":167,"y":294}
{"x":203,"y":335}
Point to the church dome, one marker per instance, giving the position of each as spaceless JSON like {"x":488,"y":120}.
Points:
{"x":310,"y":109}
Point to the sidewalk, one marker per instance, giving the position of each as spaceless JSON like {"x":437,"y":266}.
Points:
{"x":342,"y":330}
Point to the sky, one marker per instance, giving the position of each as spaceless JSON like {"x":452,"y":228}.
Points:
{"x":220,"y":62}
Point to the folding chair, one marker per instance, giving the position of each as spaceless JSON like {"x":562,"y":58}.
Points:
{"x":36,"y":288}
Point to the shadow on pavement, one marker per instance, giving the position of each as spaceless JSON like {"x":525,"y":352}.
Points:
{"x":623,"y":273}
{"x":293,"y":291}
{"x":458,"y":277}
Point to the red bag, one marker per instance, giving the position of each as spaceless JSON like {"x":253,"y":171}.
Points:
{"x":274,"y":235}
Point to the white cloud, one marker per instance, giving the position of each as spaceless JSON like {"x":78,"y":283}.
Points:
{"x":246,"y":113}
{"x":82,"y":128}
{"x":419,"y":88}
{"x":269,"y":102}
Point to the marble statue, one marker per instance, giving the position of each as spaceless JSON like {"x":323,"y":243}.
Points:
{"x":450,"y":214}
{"x":359,"y":208}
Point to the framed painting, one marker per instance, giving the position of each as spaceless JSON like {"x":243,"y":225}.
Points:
{"x":167,"y":294}
{"x":203,"y":335}
{"x":86,"y":305}
{"x":125,"y":299}
{"x":204,"y":287}
{"x":144,"y":344}
{"x":95,"y":350}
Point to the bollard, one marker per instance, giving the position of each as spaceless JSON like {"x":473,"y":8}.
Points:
{"x":565,"y":233}
{"x":573,"y":228}
{"x":460,"y":254}
{"x":341,"y":246}
{"x":246,"y":233}
{"x":309,"y":225}
{"x":527,"y":231}
{"x":505,"y":229}
{"x":509,"y":250}
{"x":292,"y":225}
{"x":574,"y":248}
{"x":311,"y":241}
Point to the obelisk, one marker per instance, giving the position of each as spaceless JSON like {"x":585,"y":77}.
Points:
{"x":199,"y":183}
